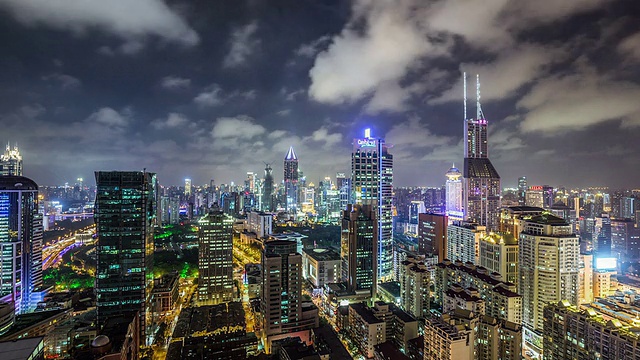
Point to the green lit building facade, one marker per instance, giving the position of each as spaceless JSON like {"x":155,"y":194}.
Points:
{"x":125,"y":213}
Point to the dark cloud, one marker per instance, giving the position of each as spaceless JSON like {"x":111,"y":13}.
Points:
{"x":206,"y":89}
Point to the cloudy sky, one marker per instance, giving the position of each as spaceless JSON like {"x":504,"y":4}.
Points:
{"x":213,"y":89}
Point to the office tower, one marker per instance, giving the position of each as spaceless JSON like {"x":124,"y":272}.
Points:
{"x":414,"y":286}
{"x":291,"y":177}
{"x":215,"y":258}
{"x":547,"y":196}
{"x":187,"y":188}
{"x":463,"y":241}
{"x":499,"y":253}
{"x":621,"y":230}
{"x":250,"y":182}
{"x":534,"y":197}
{"x":260,"y":223}
{"x":628,"y":208}
{"x":432,"y":235}
{"x":343,"y":184}
{"x":522,"y":190}
{"x":415,"y":209}
{"x":602,"y":236}
{"x":268,"y":194}
{"x":512,"y":218}
{"x":454,"y":207}
{"x":549,"y":271}
{"x":481,"y":180}
{"x":281,"y":304}
{"x":20,"y":242}
{"x":11,"y":161}
{"x":125,"y":211}
{"x":321,"y":266}
{"x":603,"y":332}
{"x":585,"y":279}
{"x":359,"y":240}
{"x":372,"y":183}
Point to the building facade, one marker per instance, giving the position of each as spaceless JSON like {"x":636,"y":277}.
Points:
{"x":215,"y":258}
{"x":415,"y":280}
{"x":454,"y":197}
{"x":463,"y":241}
{"x":358,"y":248}
{"x":499,"y":253}
{"x":372,"y":184}
{"x":549,"y":271}
{"x":11,"y":162}
{"x":291,"y":176}
{"x":124,"y":213}
{"x":20,"y":242}
{"x":432,"y":235}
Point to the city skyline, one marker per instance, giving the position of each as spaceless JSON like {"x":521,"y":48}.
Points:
{"x":196,"y":91}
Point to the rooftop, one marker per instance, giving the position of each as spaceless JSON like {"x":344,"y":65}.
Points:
{"x":548,"y":219}
{"x":479,"y":168}
{"x":322,"y":254}
{"x":365,"y":313}
{"x":392,"y":287}
{"x":21,"y":349}
{"x":17,"y":183}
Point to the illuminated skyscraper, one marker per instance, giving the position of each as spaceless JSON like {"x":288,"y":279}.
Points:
{"x":291,"y":176}
{"x":522,"y":190}
{"x":268,"y":195}
{"x":187,"y":188}
{"x":20,"y":241}
{"x":11,"y":161}
{"x":215,"y":258}
{"x":359,"y":247}
{"x":372,"y":184}
{"x":125,"y":212}
{"x":482,"y":182}
{"x":454,"y":205}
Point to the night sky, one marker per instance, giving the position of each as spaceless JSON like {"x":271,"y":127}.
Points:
{"x":213,"y":89}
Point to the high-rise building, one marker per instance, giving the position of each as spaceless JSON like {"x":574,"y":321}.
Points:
{"x":215,"y":258}
{"x":463,"y":241}
{"x":535,"y":196}
{"x":187,"y":188}
{"x":512,"y":218}
{"x":291,"y":176}
{"x":343,"y":185}
{"x":268,"y":199}
{"x":414,"y":286}
{"x":372,"y":183}
{"x":499,"y":253}
{"x":432,"y":235}
{"x":481,"y":180}
{"x":11,"y":161}
{"x":549,"y":271}
{"x":605,"y":331}
{"x":125,"y":211}
{"x":281,"y":304}
{"x":585,"y":279}
{"x":20,"y":242}
{"x":454,"y":199}
{"x":522,"y":190}
{"x":359,"y":239}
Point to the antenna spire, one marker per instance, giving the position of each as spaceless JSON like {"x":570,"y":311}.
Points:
{"x":464,"y":76}
{"x":479,"y":114}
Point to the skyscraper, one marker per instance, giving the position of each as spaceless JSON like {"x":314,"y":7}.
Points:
{"x":359,"y":247}
{"x":11,"y":161}
{"x":215,"y":258}
{"x":548,"y":262}
{"x":187,"y":188}
{"x":124,"y":214}
{"x":291,"y":175}
{"x":454,"y":205}
{"x":522,"y":190}
{"x":268,"y":196}
{"x":20,"y":241}
{"x":281,"y":305}
{"x":343,"y":184}
{"x":372,"y":184}
{"x":482,"y":182}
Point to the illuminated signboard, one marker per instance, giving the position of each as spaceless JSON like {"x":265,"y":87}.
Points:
{"x":608,"y":263}
{"x":366,"y":143}
{"x":453,"y":213}
{"x":535,"y":188}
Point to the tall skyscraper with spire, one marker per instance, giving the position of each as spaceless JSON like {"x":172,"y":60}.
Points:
{"x":291,"y":175}
{"x":481,"y":180}
{"x":372,"y":184}
{"x":11,"y":161}
{"x":454,"y":206}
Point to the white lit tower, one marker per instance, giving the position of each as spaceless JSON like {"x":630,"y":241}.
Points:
{"x":481,"y":197}
{"x":291,"y":176}
{"x":11,"y":161}
{"x":372,"y":184}
{"x":454,"y":205}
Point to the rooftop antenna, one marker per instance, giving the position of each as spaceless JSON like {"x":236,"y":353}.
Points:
{"x":479,"y":114}
{"x":464,"y":76}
